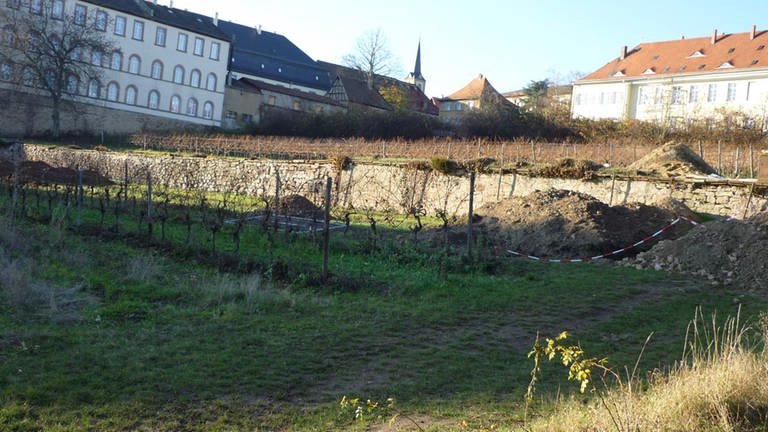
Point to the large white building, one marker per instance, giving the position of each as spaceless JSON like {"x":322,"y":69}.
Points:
{"x":682,"y":80}
{"x":167,"y":62}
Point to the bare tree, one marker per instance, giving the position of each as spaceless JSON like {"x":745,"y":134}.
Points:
{"x":45,"y":47}
{"x":372,"y":56}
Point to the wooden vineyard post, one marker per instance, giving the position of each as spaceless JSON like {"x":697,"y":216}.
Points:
{"x":16,"y":181}
{"x":125,"y":182}
{"x":470,"y":216}
{"x":79,"y":198}
{"x":751,"y":162}
{"x":501,"y":171}
{"x":149,"y":205}
{"x":327,"y":226}
{"x":719,"y":157}
{"x":610,"y":154}
{"x":277,"y":198}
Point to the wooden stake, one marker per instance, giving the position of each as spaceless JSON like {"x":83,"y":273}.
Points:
{"x":501,"y":171}
{"x":327,"y":226}
{"x":471,"y":212}
{"x":719,"y":157}
{"x":277,"y":198}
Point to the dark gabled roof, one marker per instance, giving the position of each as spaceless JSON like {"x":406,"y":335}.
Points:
{"x":259,"y":86}
{"x":186,"y":20}
{"x":272,"y":56}
{"x":358,"y":81}
{"x":132,"y":7}
{"x":358,"y":92}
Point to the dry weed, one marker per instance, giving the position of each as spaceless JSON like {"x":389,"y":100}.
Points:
{"x":144,"y":267}
{"x":721,"y":384}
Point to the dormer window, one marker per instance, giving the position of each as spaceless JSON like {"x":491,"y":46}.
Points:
{"x":618,"y":73}
{"x":649,"y":71}
{"x":726,"y":65}
{"x":666,"y":69}
{"x":761,"y":47}
{"x":656,"y":57}
{"x":702,"y":66}
{"x":697,"y":53}
{"x":731,"y":50}
{"x":754,"y":62}
{"x":681,"y":68}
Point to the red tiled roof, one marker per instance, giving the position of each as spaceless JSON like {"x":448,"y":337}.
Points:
{"x":688,"y":56}
{"x":474,"y":90}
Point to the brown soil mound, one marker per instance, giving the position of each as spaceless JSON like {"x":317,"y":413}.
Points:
{"x":299,"y":206}
{"x":673,"y":160}
{"x":41,"y":173}
{"x":566,"y":225}
{"x":727,"y":252}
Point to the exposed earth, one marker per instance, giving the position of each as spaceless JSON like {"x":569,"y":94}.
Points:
{"x":673,"y":160}
{"x":566,"y":225}
{"x":728,"y":252}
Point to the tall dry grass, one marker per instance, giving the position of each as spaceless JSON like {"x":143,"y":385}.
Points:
{"x":721,"y":384}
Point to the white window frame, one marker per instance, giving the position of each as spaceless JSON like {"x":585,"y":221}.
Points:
{"x":80,"y":15}
{"x":161,"y":34}
{"x":138,"y":30}
{"x":57,"y":9}
{"x":134,"y":64}
{"x":712,"y":93}
{"x":199,"y":48}
{"x":178,"y":74}
{"x":101,"y":20}
{"x":153,"y":100}
{"x":181,"y":42}
{"x":121,"y":23}
{"x":215,"y":51}
{"x":157,"y":70}
{"x":131,"y":95}
{"x":211,"y":81}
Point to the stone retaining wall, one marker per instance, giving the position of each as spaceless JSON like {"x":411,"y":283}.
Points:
{"x":392,"y":187}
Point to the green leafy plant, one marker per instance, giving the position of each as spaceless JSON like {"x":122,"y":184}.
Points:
{"x":372,"y":410}
{"x":571,"y":356}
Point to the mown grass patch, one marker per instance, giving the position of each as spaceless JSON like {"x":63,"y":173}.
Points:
{"x":170,"y":343}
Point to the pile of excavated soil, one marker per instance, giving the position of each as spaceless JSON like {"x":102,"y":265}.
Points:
{"x":566,"y":225}
{"x":299,"y":206}
{"x":672,"y":160}
{"x":727,"y":252}
{"x":42,"y":173}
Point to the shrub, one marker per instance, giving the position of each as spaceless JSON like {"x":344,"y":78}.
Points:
{"x":444,"y":165}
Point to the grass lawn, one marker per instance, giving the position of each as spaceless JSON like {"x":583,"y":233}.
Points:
{"x":100,"y":333}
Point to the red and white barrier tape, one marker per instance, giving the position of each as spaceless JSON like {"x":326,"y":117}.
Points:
{"x":608,"y":254}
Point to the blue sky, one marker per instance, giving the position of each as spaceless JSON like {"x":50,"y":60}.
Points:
{"x":511,"y":42}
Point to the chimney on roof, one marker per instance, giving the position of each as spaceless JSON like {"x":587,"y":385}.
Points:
{"x":258,"y":29}
{"x":714,"y":36}
{"x":216,"y":19}
{"x":623,"y":53}
{"x":753,"y":33}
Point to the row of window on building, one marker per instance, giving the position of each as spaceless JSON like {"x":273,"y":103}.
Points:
{"x":695,"y":93}
{"x":676,"y":95}
{"x":130,"y":97}
{"x":120,"y":27}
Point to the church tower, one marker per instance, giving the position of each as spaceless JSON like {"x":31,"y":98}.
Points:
{"x":415,"y":77}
